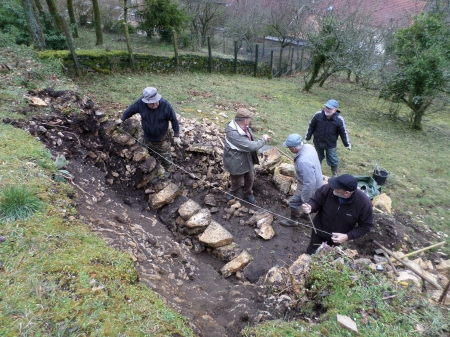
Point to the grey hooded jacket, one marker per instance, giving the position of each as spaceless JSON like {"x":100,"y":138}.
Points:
{"x":237,"y":158}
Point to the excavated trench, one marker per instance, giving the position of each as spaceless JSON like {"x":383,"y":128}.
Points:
{"x":115,"y":181}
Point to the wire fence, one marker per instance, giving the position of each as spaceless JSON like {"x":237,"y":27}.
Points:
{"x":283,"y":61}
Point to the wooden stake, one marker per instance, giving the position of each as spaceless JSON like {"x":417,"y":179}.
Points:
{"x":434,"y":284}
{"x":420,"y":250}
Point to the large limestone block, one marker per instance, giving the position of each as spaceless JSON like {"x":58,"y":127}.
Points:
{"x":200,"y":219}
{"x":264,"y":227}
{"x":444,"y":267}
{"x":165,"y":196}
{"x":188,"y":209}
{"x":256,"y":217}
{"x":298,"y":272}
{"x":236,"y":264}
{"x":140,"y":154}
{"x":271,"y":158}
{"x":410,"y":278}
{"x":277,"y":276}
{"x":215,"y":236}
{"x":228,"y":252}
{"x":123,"y":139}
{"x":201,"y":148}
{"x":287,"y":170}
{"x":383,"y":203}
{"x":283,"y":182}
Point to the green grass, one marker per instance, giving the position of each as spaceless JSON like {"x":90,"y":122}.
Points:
{"x":18,"y":202}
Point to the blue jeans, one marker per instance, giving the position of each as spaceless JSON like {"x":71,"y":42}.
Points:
{"x":330,"y":154}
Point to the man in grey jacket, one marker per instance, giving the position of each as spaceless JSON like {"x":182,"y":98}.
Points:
{"x":308,"y":173}
{"x":239,"y":154}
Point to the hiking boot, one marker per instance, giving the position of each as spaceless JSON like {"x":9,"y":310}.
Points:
{"x":334,"y":171}
{"x":250,"y":199}
{"x":295,"y":214}
{"x":230,"y":197}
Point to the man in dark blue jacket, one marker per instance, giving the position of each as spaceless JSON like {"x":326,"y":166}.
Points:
{"x":343,"y":212}
{"x":156,"y":113}
{"x":326,"y":126}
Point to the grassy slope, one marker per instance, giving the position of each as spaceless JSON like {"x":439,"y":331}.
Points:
{"x":52,"y":263}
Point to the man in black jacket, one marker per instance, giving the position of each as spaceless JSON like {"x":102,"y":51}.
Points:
{"x":326,"y":126}
{"x":340,"y":206}
{"x":156,"y":113}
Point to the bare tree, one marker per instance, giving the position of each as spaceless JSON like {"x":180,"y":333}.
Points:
{"x":98,"y":23}
{"x":72,"y":19}
{"x":204,"y":15}
{"x":34,"y":26}
{"x":53,"y":9}
{"x":339,"y":39}
{"x":246,"y":21}
{"x":286,"y":19}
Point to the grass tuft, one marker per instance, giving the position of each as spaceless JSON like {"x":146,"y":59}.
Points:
{"x":18,"y":203}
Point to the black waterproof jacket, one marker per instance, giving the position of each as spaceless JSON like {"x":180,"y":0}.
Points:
{"x":155,"y":122}
{"x":326,"y":131}
{"x":334,"y":217}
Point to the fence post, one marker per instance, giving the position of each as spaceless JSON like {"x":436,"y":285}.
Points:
{"x":271,"y":64}
{"x":175,"y":47}
{"x":235,"y":56}
{"x":209,"y":55}
{"x":256,"y":60}
{"x":281,"y":57}
{"x":292,"y":62}
{"x":71,"y":47}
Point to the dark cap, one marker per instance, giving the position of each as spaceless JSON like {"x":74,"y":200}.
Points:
{"x":344,"y":182}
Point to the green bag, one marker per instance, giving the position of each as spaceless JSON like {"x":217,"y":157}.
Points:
{"x":368,"y":185}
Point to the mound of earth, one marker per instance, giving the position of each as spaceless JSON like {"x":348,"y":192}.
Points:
{"x":184,"y":273}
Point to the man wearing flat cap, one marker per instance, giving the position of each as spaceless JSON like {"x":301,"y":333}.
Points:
{"x":156,"y":113}
{"x":239,"y":154}
{"x":343,"y":212}
{"x":308,"y":173}
{"x":326,"y":126}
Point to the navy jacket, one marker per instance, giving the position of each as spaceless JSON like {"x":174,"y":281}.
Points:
{"x":326,"y":131}
{"x":334,"y":217}
{"x":155,"y":122}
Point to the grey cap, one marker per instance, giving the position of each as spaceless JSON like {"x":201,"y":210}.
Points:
{"x":332,"y":104}
{"x":150,"y":95}
{"x":293,"y":140}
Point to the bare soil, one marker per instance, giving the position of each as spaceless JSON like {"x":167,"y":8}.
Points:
{"x":189,"y":282}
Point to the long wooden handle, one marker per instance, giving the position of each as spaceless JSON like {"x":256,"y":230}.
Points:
{"x":420,"y":250}
{"x":426,"y":278}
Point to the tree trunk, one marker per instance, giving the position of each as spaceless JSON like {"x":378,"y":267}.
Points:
{"x":34,"y":26}
{"x":127,"y":35}
{"x":98,"y":23}
{"x":55,"y":15}
{"x":39,"y":6}
{"x":72,"y":19}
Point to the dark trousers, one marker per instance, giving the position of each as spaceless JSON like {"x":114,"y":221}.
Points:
{"x":316,"y":241}
{"x":236,"y":183}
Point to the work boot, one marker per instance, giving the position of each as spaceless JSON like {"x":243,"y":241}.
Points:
{"x":295,"y":215}
{"x":334,"y":171}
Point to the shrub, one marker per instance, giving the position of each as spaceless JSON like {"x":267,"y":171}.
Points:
{"x":18,"y":202}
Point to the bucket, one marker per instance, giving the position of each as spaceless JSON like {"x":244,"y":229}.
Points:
{"x":380,"y":176}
